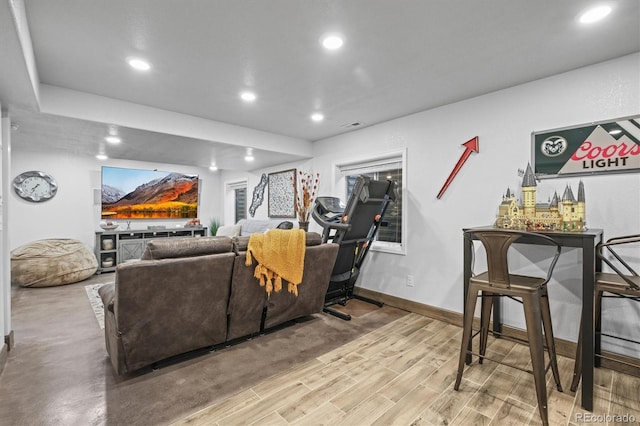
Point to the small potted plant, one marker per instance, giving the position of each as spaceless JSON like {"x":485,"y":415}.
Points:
{"x":214,"y":224}
{"x":306,"y":189}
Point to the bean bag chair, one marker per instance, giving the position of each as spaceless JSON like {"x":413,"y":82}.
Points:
{"x":46,"y":263}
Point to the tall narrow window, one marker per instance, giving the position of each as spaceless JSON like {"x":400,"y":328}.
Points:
{"x":386,"y":167}
{"x":241,"y":204}
{"x":235,"y":204}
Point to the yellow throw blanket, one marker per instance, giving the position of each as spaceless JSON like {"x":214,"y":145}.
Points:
{"x":280,"y":255}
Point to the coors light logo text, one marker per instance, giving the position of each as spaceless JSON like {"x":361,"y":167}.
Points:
{"x":593,"y":156}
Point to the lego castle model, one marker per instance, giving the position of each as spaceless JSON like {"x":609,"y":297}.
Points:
{"x":566,"y":214}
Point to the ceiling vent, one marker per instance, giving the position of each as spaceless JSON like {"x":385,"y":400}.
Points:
{"x":353,"y":125}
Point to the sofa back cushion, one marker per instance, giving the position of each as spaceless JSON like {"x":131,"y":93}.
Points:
{"x":229,"y":231}
{"x":167,"y":248}
{"x":240,"y":243}
{"x":252,"y":226}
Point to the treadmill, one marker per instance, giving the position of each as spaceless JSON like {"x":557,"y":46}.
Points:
{"x":354,"y":228}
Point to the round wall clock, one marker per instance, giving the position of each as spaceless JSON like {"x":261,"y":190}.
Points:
{"x":35,"y":186}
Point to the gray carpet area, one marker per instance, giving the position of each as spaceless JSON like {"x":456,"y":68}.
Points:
{"x":59,"y":374}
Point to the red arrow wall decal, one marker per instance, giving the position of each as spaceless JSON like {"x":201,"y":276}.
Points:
{"x":470,"y":145}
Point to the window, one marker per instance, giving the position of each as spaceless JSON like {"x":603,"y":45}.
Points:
{"x":241,"y":204}
{"x":391,"y":227}
{"x":235,"y":204}
{"x":391,"y":167}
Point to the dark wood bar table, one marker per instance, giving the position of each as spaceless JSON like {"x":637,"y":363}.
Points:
{"x":587,"y":241}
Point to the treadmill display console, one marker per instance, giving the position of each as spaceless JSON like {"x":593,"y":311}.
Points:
{"x":330,"y":209}
{"x":331,"y":204}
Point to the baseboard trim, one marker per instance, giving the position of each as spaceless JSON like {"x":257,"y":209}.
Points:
{"x":9,"y":340}
{"x":563,"y":347}
{"x":4,"y":354}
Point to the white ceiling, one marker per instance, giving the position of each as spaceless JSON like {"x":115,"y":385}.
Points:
{"x":399,"y":57}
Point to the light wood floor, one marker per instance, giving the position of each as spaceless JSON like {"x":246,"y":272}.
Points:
{"x":403,"y":374}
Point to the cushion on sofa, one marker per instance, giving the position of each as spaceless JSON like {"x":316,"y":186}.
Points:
{"x":229,"y":231}
{"x":52,"y":262}
{"x":185,"y":247}
{"x":240,"y":243}
{"x":252,"y":226}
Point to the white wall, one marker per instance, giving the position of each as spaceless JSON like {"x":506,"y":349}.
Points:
{"x":503,"y":121}
{"x":5,"y":277}
{"x":253,"y":179}
{"x":72,"y":212}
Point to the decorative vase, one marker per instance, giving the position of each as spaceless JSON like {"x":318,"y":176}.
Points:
{"x":303,"y":225}
{"x":107,"y":244}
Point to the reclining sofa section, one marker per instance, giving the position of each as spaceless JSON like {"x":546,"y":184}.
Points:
{"x":192,"y":293}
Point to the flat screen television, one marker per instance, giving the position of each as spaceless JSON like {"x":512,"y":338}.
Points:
{"x":148,"y":194}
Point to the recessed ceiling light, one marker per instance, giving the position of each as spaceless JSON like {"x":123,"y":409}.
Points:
{"x":101,"y":157}
{"x":317,"y":117}
{"x":113,"y":139}
{"x":332,"y":42}
{"x":249,"y":156}
{"x":213,"y":167}
{"x":139,"y":64}
{"x":248,"y":96}
{"x":595,"y":14}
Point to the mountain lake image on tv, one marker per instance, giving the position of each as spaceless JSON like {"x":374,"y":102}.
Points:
{"x":148,"y":194}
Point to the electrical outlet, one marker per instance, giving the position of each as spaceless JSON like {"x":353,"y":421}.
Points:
{"x":410,"y":282}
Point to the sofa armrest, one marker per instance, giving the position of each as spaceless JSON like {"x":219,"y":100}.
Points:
{"x":107,"y":293}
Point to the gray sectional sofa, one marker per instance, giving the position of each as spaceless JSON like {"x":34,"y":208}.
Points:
{"x":192,"y":293}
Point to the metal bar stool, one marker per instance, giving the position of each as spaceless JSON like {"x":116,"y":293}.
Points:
{"x":497,"y":281}
{"x":623,"y":283}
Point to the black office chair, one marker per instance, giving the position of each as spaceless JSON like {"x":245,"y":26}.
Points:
{"x":624,"y":282}
{"x":497,"y":281}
